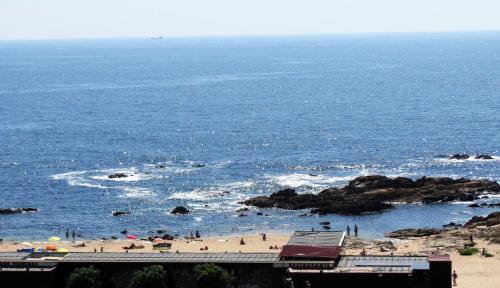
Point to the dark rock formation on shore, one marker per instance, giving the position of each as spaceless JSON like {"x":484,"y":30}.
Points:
{"x":119,"y":213}
{"x":455,"y":235}
{"x":117,"y":175}
{"x":405,"y":233}
{"x":6,"y":211}
{"x":490,"y":220}
{"x":180,"y":210}
{"x":484,"y":205}
{"x":375,"y":193}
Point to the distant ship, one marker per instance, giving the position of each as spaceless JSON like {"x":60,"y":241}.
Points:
{"x":157,"y":38}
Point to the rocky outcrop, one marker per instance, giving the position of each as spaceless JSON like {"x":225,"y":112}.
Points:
{"x":180,"y":210}
{"x":406,"y":233}
{"x":375,"y":193}
{"x":117,"y":175}
{"x":491,"y":220}
{"x":6,"y":211}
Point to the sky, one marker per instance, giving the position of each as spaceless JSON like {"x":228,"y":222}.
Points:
{"x":49,"y":19}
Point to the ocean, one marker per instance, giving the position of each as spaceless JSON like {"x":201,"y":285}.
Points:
{"x":209,"y":122}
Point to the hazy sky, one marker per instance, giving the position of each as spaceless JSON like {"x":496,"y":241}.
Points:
{"x":132,"y":18}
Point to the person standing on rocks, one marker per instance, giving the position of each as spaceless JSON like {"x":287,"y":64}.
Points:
{"x":454,"y":276}
{"x":356,"y":230}
{"x":348,"y":230}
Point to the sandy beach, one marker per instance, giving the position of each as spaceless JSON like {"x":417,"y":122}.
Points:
{"x":473,"y":271}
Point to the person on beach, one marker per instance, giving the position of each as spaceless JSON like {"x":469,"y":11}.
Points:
{"x":242,"y":242}
{"x":356,"y":230}
{"x":102,"y":249}
{"x":67,"y":233}
{"x":454,"y":276}
{"x":348,"y":230}
{"x":363,"y":252}
{"x":73,"y":234}
{"x":264,"y":237}
{"x":198,"y":234}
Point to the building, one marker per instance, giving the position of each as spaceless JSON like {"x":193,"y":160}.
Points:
{"x":315,"y":257}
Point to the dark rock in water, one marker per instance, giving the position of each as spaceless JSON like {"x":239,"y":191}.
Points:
{"x":324,"y":223}
{"x":459,"y":156}
{"x":244,"y":209}
{"x":483,"y":157}
{"x":485,"y":197}
{"x":313,"y":175}
{"x":376,"y":193}
{"x":118,"y":175}
{"x":405,"y":233}
{"x":484,"y":205}
{"x":326,"y":227}
{"x":180,"y":210}
{"x":243,"y":215}
{"x":160,"y":231}
{"x":113,"y":238}
{"x":303,"y":215}
{"x":6,"y":211}
{"x":259,"y":213}
{"x":118,"y":213}
{"x":168,"y":237}
{"x":161,"y":166}
{"x":490,"y":220}
{"x":198,"y":165}
{"x":124,"y":231}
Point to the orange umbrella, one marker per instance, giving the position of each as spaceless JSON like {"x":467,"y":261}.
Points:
{"x":158,"y":240}
{"x":51,"y":248}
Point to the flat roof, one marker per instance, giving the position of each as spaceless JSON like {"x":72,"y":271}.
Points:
{"x":13,"y":256}
{"x":400,"y":264}
{"x":172,"y":257}
{"x":317,"y":238}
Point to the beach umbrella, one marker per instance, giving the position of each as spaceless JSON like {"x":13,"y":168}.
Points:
{"x":26,"y":244}
{"x":51,"y":248}
{"x":54,"y":239}
{"x":158,"y":240}
{"x":63,"y":250}
{"x":131,"y":236}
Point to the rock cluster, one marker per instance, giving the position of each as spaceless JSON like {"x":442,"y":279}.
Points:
{"x":375,"y":193}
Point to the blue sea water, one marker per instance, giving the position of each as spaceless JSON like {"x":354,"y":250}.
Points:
{"x":208,"y":122}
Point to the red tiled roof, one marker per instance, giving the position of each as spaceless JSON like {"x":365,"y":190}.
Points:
{"x":298,"y":251}
{"x":438,"y":258}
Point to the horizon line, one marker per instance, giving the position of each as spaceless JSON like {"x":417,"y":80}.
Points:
{"x":201,"y":36}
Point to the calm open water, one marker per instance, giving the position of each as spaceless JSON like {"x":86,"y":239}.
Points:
{"x":209,"y":122}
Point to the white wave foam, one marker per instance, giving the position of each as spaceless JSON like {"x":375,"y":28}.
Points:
{"x":76,"y":179}
{"x":308,"y":180}
{"x":136,"y":192}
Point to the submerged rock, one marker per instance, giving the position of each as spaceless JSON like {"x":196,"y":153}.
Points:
{"x":6,"y":211}
{"x":483,"y":157}
{"x":119,"y":213}
{"x":180,"y":210}
{"x":117,"y":175}
{"x":459,"y":156}
{"x":376,"y":193}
